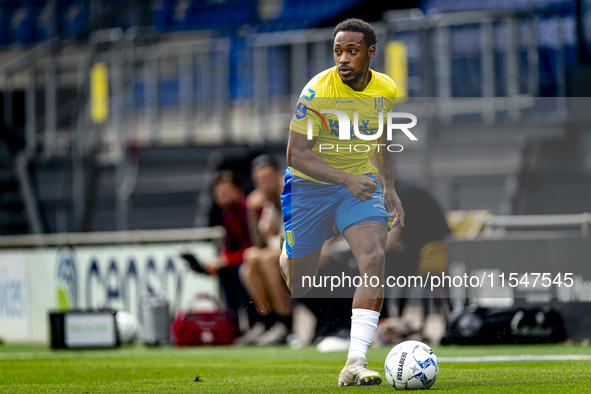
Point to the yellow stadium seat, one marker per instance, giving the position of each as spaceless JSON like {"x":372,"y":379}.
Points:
{"x":433,"y":258}
{"x":467,"y":224}
{"x":433,"y":261}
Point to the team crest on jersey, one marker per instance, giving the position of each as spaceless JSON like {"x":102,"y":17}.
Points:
{"x":290,"y":238}
{"x":378,"y":104}
{"x":301,"y":111}
{"x":309,"y":94}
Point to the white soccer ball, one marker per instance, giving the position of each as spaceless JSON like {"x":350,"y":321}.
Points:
{"x":127,"y":326}
{"x":411,"y":365}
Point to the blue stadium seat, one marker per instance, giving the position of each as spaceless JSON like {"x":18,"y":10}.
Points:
{"x":6,"y":12}
{"x":44,"y":23}
{"x":139,"y":94}
{"x":73,"y":14}
{"x":232,"y":13}
{"x":437,"y":6}
{"x":25,"y":22}
{"x":163,"y":14}
{"x":168,"y":93}
{"x":23,"y":25}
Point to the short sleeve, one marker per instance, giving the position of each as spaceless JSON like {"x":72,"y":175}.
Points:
{"x":305,"y":110}
{"x":392,"y":96}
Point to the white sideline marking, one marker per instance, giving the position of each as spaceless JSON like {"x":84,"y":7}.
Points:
{"x":494,"y":359}
{"x":477,"y":359}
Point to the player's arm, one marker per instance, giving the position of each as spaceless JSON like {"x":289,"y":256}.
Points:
{"x":301,"y":157}
{"x":254,"y":207}
{"x":383,"y":162}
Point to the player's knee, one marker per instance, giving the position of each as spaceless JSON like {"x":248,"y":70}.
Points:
{"x":270,"y":260}
{"x":251,"y":254}
{"x":244,"y":271}
{"x":283,"y":262}
{"x":372,"y":262}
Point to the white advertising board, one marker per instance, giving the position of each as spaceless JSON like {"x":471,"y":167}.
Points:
{"x":13,"y":296}
{"x":95,"y":277}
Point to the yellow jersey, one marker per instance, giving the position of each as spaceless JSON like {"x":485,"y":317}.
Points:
{"x":326,"y":91}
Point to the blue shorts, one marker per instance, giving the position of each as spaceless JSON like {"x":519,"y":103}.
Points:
{"x":310,"y":209}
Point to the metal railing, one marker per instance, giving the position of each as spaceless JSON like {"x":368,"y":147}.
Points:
{"x":174,"y":89}
{"x":430,"y":49}
{"x":197,"y":106}
{"x":57,"y":105}
{"x":198,"y":72}
{"x":115,"y":237}
{"x":498,"y":224}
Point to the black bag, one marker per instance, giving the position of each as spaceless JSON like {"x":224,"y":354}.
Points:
{"x":472,"y":325}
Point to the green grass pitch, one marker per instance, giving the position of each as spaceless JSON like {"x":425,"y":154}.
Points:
{"x":136,"y":369}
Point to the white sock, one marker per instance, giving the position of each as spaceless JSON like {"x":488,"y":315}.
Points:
{"x":364,"y":323}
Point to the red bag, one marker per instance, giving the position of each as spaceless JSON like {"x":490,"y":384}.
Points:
{"x":207,"y":327}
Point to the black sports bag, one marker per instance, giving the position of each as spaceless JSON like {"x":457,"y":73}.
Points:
{"x":473,"y":325}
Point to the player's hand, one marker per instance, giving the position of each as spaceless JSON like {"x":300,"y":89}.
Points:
{"x":255,"y":200}
{"x":213,"y":266}
{"x":361,"y":186}
{"x":266,"y":226}
{"x":394,"y":206}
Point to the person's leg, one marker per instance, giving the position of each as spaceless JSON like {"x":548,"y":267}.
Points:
{"x":269,"y":270}
{"x":308,"y":216}
{"x":367,"y":241}
{"x":278,"y":297}
{"x":296,"y":271}
{"x":229,"y":289}
{"x":235,"y":295}
{"x":252,"y":280}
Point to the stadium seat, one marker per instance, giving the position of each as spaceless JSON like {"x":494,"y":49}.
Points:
{"x":433,"y":6}
{"x":433,"y":261}
{"x":23,"y":24}
{"x":6,"y":13}
{"x":467,"y":224}
{"x":43,"y":23}
{"x":168,"y":93}
{"x":163,"y":15}
{"x":73,"y":16}
{"x":432,"y":258}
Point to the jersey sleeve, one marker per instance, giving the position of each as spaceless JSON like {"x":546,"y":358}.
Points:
{"x":307,"y":108}
{"x":393,"y":94}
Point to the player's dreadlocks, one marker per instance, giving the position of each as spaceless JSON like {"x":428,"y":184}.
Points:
{"x":360,"y":26}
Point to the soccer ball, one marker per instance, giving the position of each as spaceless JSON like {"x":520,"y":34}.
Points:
{"x":127,"y":326}
{"x":411,"y":365}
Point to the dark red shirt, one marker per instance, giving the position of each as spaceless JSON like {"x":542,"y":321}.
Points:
{"x":237,"y":238}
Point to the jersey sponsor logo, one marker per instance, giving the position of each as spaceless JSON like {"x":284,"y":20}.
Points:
{"x":345,"y":101}
{"x":309,"y":94}
{"x":363,"y":127}
{"x":301,"y":111}
{"x":290,"y":238}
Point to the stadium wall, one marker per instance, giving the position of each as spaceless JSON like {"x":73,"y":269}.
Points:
{"x":34,"y":281}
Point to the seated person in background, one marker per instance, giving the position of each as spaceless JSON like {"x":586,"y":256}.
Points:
{"x":260,"y":271}
{"x":227,"y":193}
{"x":425,"y":222}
